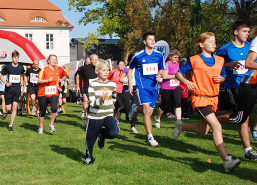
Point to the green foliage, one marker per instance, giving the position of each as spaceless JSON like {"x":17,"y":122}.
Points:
{"x":176,"y":21}
{"x":91,"y":39}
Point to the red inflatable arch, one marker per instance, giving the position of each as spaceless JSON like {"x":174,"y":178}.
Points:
{"x":12,"y":40}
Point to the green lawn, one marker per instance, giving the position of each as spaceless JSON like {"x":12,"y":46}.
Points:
{"x":57,"y":158}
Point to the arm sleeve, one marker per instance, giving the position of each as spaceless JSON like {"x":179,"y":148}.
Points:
{"x":161,"y":63}
{"x":186,"y":68}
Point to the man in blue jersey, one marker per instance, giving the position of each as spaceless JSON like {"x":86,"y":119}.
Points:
{"x":149,"y":66}
{"x":235,"y":53}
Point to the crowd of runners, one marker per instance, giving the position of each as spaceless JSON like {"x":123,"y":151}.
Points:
{"x":177,"y":85}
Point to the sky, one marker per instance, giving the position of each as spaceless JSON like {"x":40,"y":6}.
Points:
{"x":79,"y":31}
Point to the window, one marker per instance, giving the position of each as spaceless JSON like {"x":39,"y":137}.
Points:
{"x":29,"y":36}
{"x":1,"y":19}
{"x":38,"y":19}
{"x":49,"y":41}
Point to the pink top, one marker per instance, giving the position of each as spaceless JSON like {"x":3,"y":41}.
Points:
{"x":172,"y":69}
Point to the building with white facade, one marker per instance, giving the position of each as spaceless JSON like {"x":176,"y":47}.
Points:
{"x":41,"y":22}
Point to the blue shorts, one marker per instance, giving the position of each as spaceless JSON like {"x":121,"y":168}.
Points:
{"x":147,"y":96}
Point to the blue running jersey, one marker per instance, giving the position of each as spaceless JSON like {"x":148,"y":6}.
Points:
{"x":232,"y":53}
{"x":140,"y":61}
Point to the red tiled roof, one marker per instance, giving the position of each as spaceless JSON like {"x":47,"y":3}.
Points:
{"x":21,"y":12}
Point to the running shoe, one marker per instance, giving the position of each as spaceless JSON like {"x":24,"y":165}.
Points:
{"x":133,"y":110}
{"x":171,"y":116}
{"x":134,"y":130}
{"x":117,"y":121}
{"x":253,"y":132}
{"x":33,"y":112}
{"x":101,"y":140}
{"x":51,"y":127}
{"x":88,"y":161}
{"x":5,"y":115}
{"x":230,"y":164}
{"x":152,"y":142}
{"x":60,"y":109}
{"x":10,"y":128}
{"x":157,"y":122}
{"x":177,"y":130}
{"x":83,"y":115}
{"x":40,"y":131}
{"x":1,"y":113}
{"x":118,"y":114}
{"x":251,"y":154}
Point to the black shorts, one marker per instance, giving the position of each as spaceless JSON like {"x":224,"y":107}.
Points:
{"x":247,"y":94}
{"x":83,"y":90}
{"x":11,"y":97}
{"x":233,"y":98}
{"x":204,"y":111}
{"x":1,"y":92}
{"x":33,"y":90}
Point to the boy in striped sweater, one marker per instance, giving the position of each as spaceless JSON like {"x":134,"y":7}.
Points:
{"x":102,"y":96}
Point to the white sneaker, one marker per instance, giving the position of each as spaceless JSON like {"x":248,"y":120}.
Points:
{"x":1,"y":113}
{"x":33,"y":112}
{"x":171,"y":116}
{"x":230,"y":164}
{"x":134,"y":130}
{"x":152,"y":142}
{"x":40,"y":130}
{"x":177,"y":130}
{"x":157,"y":122}
{"x":83,"y":115}
{"x":133,"y":110}
{"x":51,"y":127}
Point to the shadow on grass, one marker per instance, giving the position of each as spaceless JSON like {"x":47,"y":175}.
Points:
{"x":33,"y":128}
{"x":196,"y":164}
{"x":74,"y":123}
{"x":71,"y":153}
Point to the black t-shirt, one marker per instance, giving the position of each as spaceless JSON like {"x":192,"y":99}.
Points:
{"x":32,"y":77}
{"x":87,"y":72}
{"x":13,"y":74}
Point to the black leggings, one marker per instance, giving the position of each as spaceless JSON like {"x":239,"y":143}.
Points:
{"x":128,"y":99}
{"x":173,"y":95}
{"x":43,"y":102}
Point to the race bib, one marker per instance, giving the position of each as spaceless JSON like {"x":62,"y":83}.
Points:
{"x":14,"y":78}
{"x":174,"y":82}
{"x":33,"y":78}
{"x":241,"y":69}
{"x":49,"y":90}
{"x":150,"y":69}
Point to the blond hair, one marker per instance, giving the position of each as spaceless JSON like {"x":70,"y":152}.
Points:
{"x":99,"y":65}
{"x":48,"y":58}
{"x":201,"y":39}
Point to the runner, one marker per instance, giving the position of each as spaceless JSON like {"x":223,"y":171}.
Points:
{"x":207,"y":74}
{"x":170,"y":89}
{"x":13,"y":85}
{"x":31,"y":82}
{"x":48,"y":92}
{"x":86,"y":73}
{"x":149,"y":66}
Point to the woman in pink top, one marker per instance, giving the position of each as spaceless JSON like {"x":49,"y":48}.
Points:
{"x":170,"y":89}
{"x":114,"y":76}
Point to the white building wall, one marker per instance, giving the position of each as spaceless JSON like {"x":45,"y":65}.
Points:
{"x":61,"y":42}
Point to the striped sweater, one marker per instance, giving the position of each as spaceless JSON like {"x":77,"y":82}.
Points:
{"x":95,"y":92}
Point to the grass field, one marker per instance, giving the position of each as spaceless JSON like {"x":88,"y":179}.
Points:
{"x":57,"y":158}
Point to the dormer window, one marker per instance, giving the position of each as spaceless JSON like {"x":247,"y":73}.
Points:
{"x":1,"y":19}
{"x":38,"y":19}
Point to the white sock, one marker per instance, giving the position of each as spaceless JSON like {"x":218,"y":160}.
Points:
{"x":10,"y":125}
{"x":149,"y":136}
{"x":247,"y":149}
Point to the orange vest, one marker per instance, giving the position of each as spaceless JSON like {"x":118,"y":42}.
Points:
{"x":46,"y":88}
{"x":202,"y":77}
